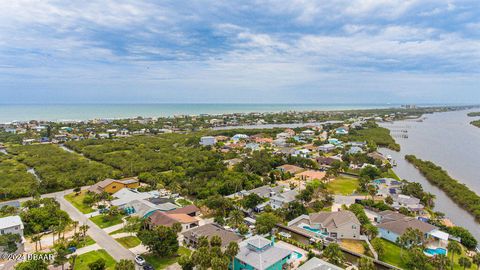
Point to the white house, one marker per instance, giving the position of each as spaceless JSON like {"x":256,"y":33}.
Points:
{"x":208,"y":141}
{"x":11,"y":224}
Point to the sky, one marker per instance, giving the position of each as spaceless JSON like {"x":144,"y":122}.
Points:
{"x":249,"y":51}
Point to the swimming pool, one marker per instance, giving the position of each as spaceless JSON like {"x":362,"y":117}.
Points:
{"x":436,"y":251}
{"x":317,"y":231}
{"x":298,"y":255}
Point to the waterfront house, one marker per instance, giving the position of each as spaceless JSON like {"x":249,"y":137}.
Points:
{"x":387,"y":186}
{"x":112,"y":185}
{"x":259,"y":253}
{"x":192,"y":236}
{"x":354,"y":150}
{"x":411,"y":203}
{"x":208,"y":141}
{"x":318,"y":264}
{"x":126,"y":195}
{"x":391,"y":225}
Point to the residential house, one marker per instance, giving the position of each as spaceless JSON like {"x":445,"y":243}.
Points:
{"x":253,"y":146}
{"x":377,"y":156}
{"x":392,"y":225}
{"x":280,"y":200}
{"x":190,"y":210}
{"x":144,"y":208}
{"x":326,"y":225}
{"x":341,"y":131}
{"x":326,"y":147}
{"x":13,"y":225}
{"x":327,"y":161}
{"x":238,"y":137}
{"x":387,"y":186}
{"x":334,"y":141}
{"x":126,"y":195}
{"x":411,"y":203}
{"x":192,"y":236}
{"x":354,"y":150}
{"x":280,"y":142}
{"x":304,"y":153}
{"x":308,"y":133}
{"x":112,"y":185}
{"x":318,"y":264}
{"x":259,"y":253}
{"x":167,"y":219}
{"x":208,"y":141}
{"x":232,"y":162}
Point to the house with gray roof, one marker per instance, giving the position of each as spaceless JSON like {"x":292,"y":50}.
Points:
{"x":280,"y":200}
{"x":318,"y":264}
{"x":192,"y":236}
{"x":411,"y":203}
{"x":327,"y":225}
{"x":392,"y":225}
{"x":260,"y":253}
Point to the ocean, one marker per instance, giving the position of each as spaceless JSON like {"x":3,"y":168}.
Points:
{"x":58,"y":112}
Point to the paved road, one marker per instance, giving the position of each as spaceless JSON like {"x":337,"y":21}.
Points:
{"x":102,"y":238}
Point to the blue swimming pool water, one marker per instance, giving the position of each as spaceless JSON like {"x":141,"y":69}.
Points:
{"x":308,"y":228}
{"x":298,"y":255}
{"x":437,"y":251}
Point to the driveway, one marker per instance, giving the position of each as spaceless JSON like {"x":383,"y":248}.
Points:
{"x":102,"y":238}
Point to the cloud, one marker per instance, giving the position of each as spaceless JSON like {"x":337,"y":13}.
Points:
{"x":257,"y":46}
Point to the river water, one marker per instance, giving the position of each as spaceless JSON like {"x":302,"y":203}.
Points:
{"x":448,"y":140}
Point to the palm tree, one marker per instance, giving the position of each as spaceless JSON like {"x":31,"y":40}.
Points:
{"x":236,"y":217}
{"x":441,"y":262}
{"x":454,"y":248}
{"x":465,"y":262}
{"x":84,"y":228}
{"x":476,"y":260}
{"x":334,"y":254}
{"x":75,"y":224}
{"x":232,"y":251}
{"x":35,"y":239}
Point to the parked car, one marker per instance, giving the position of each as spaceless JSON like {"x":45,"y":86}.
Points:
{"x":139,"y":260}
{"x":148,"y":267}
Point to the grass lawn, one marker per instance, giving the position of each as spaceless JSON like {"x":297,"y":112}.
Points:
{"x":183,"y":202}
{"x":87,"y":242}
{"x":353,"y":245}
{"x":343,"y":185}
{"x":82,"y":261}
{"x":77,"y":201}
{"x":392,"y":254}
{"x":129,"y":241}
{"x":122,"y":230}
{"x":162,"y":263}
{"x":105,"y":224}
